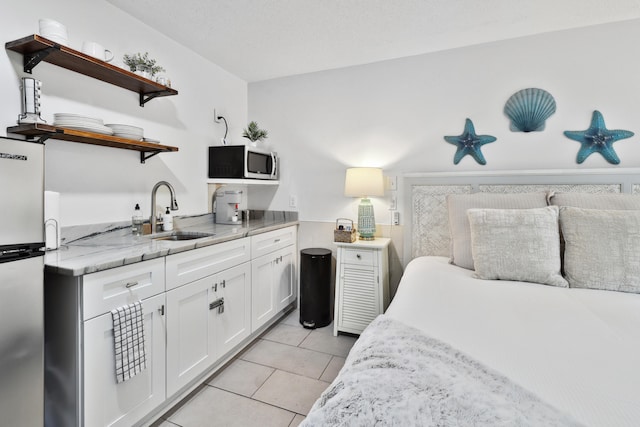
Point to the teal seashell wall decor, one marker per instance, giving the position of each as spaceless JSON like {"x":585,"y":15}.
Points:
{"x":529,"y":109}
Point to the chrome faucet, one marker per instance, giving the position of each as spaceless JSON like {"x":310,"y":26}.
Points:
{"x":174,"y":203}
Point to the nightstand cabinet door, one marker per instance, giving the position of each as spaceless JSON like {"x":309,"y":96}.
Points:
{"x":362,"y":285}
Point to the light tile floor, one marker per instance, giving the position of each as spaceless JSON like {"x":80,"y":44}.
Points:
{"x":274,"y":382}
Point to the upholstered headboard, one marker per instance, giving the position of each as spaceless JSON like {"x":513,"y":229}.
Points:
{"x":427,"y":225}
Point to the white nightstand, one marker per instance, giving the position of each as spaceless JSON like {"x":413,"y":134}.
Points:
{"x":362,"y":284}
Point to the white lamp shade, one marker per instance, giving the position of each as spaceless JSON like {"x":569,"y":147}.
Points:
{"x":361,"y":182}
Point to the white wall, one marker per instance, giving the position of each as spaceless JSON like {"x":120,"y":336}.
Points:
{"x":101,"y":184}
{"x":394,"y":114}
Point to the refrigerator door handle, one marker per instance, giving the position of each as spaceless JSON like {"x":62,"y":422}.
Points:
{"x":10,"y":253}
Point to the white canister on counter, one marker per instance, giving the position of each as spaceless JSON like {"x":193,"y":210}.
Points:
{"x":167,"y":220}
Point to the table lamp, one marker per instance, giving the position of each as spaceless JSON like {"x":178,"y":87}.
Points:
{"x":364,"y":182}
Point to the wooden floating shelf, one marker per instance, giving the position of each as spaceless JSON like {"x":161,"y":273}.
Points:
{"x":35,"y":49}
{"x":44,"y":131}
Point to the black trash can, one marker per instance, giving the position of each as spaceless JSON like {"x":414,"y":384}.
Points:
{"x":315,"y":287}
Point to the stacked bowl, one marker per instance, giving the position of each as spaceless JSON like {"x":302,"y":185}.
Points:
{"x":127,"y":131}
{"x":54,"y":31}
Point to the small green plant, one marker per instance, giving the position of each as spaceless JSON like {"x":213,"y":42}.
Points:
{"x":254,"y":133}
{"x":133,"y":61}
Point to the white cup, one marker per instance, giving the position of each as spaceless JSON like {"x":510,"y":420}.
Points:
{"x":97,"y":51}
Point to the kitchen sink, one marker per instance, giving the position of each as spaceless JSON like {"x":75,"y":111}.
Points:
{"x":182,"y":235}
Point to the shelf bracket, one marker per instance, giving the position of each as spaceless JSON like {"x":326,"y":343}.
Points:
{"x":33,"y":59}
{"x":146,"y":97}
{"x":144,"y":157}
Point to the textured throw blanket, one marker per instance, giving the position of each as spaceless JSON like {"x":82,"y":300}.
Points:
{"x":397,"y":376}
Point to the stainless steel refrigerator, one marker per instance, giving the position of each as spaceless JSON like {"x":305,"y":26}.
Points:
{"x":21,"y":283}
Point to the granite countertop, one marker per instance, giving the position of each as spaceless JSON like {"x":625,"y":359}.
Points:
{"x":88,"y":249}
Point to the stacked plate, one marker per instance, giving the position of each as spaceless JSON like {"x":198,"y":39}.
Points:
{"x":78,"y":122}
{"x":127,"y":131}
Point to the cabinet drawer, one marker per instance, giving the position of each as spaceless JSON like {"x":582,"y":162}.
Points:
{"x":359,"y":256}
{"x":105,"y":290}
{"x":192,"y":265}
{"x":265,"y":243}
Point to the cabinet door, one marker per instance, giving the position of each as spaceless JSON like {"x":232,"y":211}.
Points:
{"x":358,"y":301}
{"x":285,"y":277}
{"x":106,"y":402}
{"x":263,"y":297}
{"x":190,"y":333}
{"x":234,"y":323}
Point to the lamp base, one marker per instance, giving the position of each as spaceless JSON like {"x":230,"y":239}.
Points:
{"x":366,"y":220}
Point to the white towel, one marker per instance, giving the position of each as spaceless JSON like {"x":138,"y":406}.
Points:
{"x":128,"y":339}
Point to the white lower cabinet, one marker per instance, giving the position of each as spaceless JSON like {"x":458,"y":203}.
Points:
{"x":234,"y":323}
{"x":106,"y":402}
{"x":199,"y":307}
{"x":80,"y":380}
{"x":205,"y":319}
{"x":274,"y":280}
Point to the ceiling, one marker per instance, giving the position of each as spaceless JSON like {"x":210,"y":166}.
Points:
{"x":264,"y":39}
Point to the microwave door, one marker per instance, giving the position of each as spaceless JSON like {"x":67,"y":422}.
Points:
{"x":258,"y":165}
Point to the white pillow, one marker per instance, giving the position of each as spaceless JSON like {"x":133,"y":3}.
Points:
{"x":517,"y":244}
{"x":457,"y":206}
{"x":608,"y":201}
{"x":602,"y":248}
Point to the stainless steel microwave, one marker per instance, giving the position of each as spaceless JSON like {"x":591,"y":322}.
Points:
{"x":242,"y":161}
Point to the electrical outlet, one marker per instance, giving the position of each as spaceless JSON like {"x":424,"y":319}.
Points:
{"x":394,"y":203}
{"x":396,"y":218}
{"x":215,"y":116}
{"x":293,"y":201}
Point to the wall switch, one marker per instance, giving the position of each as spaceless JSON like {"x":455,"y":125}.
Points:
{"x":396,"y":218}
{"x":293,"y":201}
{"x":392,"y":183}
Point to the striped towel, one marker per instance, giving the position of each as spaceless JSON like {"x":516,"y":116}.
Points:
{"x":128,"y":334}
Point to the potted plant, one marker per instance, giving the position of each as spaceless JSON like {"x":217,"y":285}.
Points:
{"x":142,"y":65}
{"x":253,"y":133}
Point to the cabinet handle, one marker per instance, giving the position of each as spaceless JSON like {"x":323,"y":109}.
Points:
{"x":219,"y":303}
{"x":358,"y":256}
{"x":215,"y":287}
{"x":224,"y":284}
{"x":276,"y":241}
{"x":131,"y":284}
{"x":161,"y":310}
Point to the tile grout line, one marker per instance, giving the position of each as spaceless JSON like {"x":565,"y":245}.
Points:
{"x":325,"y":368}
{"x":263,"y":383}
{"x":258,"y":400}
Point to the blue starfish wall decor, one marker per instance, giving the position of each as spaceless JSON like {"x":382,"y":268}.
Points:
{"x":598,"y":139}
{"x":469,"y":143}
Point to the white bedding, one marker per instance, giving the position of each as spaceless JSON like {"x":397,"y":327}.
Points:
{"x":577,"y":349}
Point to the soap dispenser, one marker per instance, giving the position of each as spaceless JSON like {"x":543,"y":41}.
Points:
{"x":136,"y":221}
{"x":167,"y":220}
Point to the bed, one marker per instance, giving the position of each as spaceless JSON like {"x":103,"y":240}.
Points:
{"x":454,"y":349}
